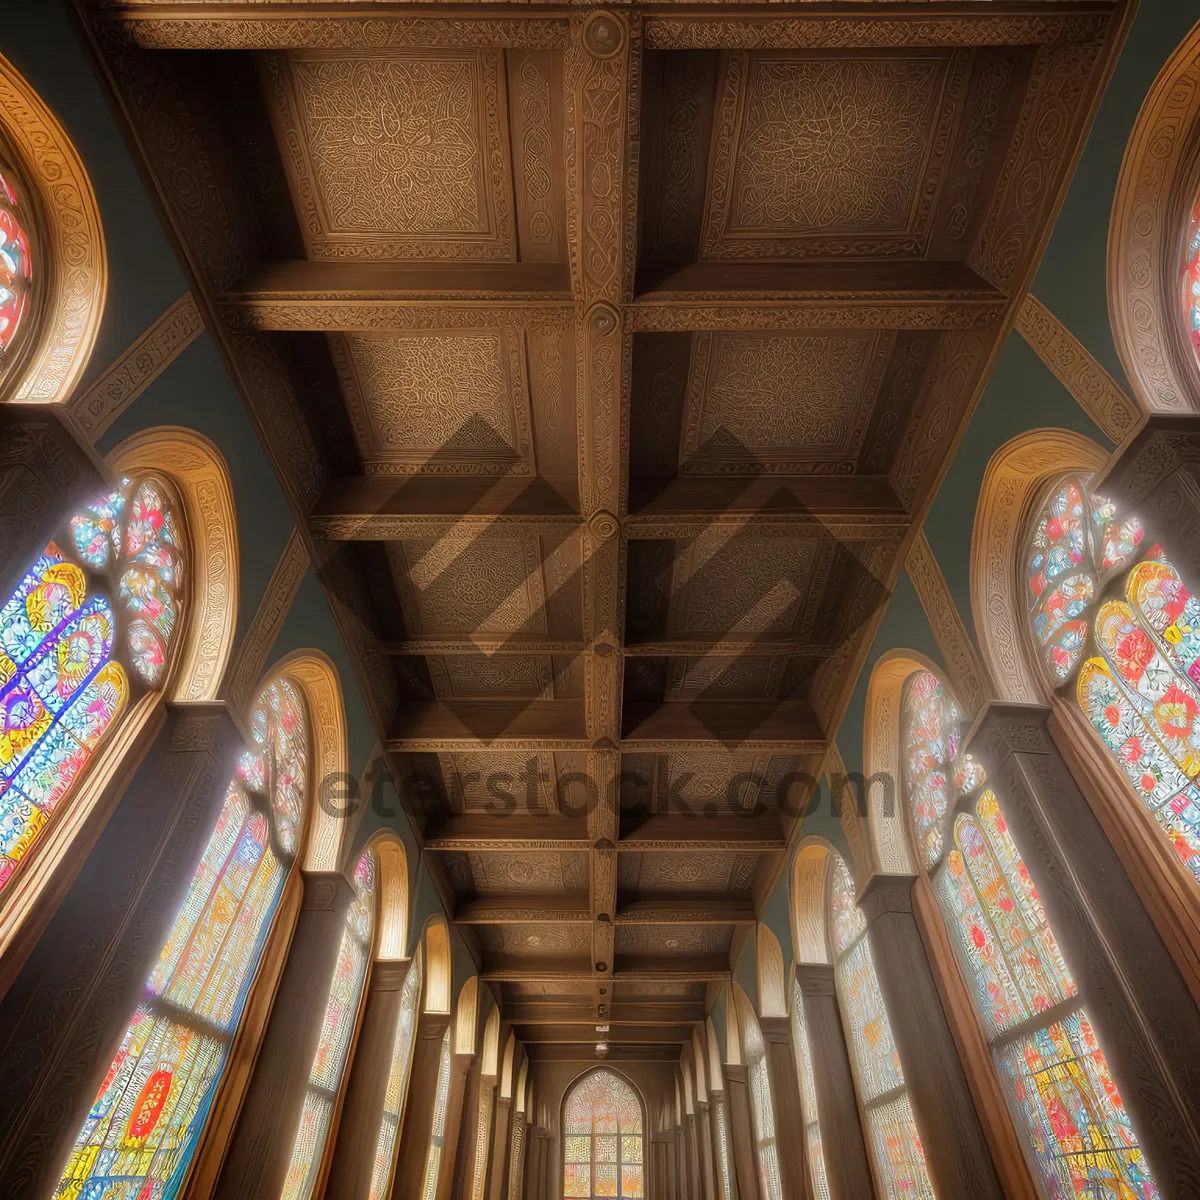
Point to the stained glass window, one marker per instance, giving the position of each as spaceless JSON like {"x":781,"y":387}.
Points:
{"x":762,"y":1111}
{"x":337,"y":1030}
{"x":1064,"y":1102}
{"x":139,"y":1138}
{"x":437,"y":1131}
{"x":808,"y":1096}
{"x":1113,"y":618}
{"x":397,"y":1083}
{"x":16,"y":266}
{"x":892,"y":1135}
{"x":602,"y":1139}
{"x":88,"y":629}
{"x":1190,"y":278}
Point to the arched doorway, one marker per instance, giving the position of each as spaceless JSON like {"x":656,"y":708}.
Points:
{"x":603,"y":1142}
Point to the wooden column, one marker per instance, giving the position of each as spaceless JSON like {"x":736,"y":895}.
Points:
{"x":716,"y":1103}
{"x":46,"y":473}
{"x":464,"y":1150}
{"x":785,"y":1101}
{"x":460,"y":1066}
{"x":956,"y":1149}
{"x":366,"y":1085}
{"x":846,"y":1164}
{"x":1135,"y":996}
{"x":261,"y":1147}
{"x":537,"y":1156}
{"x":741,"y":1133}
{"x":418,"y":1113}
{"x":692,"y":1149}
{"x":498,"y":1170}
{"x":708,"y":1164}
{"x":682,"y":1182}
{"x":516,"y":1157}
{"x":63,"y":1016}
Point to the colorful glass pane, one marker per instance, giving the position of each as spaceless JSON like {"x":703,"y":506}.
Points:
{"x":437,"y":1132}
{"x":1058,"y":541}
{"x":1190,"y":279}
{"x":1169,"y":610}
{"x":846,"y":920}
{"x":61,"y":689}
{"x":1162,"y":786}
{"x":279,"y":729}
{"x":763,"y":1113}
{"x":897,"y":1150}
{"x":808,"y":1095}
{"x":16,"y":265}
{"x":602,"y":1127}
{"x":1077,"y":1129}
{"x":931,"y":723}
{"x":1167,"y":702}
{"x":871,"y":1041}
{"x":337,"y":1028}
{"x":397,"y":1083}
{"x":143,"y":1127}
{"x":1113,"y":540}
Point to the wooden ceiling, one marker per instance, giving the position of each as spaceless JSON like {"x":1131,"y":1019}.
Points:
{"x":609,"y":361}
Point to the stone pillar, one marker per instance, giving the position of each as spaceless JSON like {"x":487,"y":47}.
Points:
{"x":63,"y":1016}
{"x":708,"y":1164}
{"x":261,"y":1147}
{"x":1135,"y":996}
{"x":847,"y":1166}
{"x":956,"y":1149}
{"x":741,"y":1132}
{"x":460,"y":1066}
{"x":498,"y":1170}
{"x":366,"y":1085}
{"x":46,"y":472}
{"x":785,"y":1101}
{"x":418,"y":1112}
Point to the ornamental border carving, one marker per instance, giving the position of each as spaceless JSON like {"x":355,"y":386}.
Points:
{"x":1011,"y":485}
{"x":71,"y":256}
{"x":1159,"y":177}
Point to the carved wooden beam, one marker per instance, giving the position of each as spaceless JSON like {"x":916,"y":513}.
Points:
{"x":519,"y":833}
{"x":439,"y":726}
{"x":623,"y":1012}
{"x":629,"y":1034}
{"x":617,"y":1052}
{"x":782,"y":727}
{"x":685,"y":910}
{"x":681,"y":834}
{"x":519,"y":911}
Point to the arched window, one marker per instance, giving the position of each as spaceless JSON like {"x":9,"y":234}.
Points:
{"x":892,"y":1134}
{"x":142,"y":1131}
{"x":89,"y":629}
{"x":397,"y":1082}
{"x":1114,"y":619}
{"x":437,"y":1130}
{"x":808,"y":1096}
{"x":1064,"y":1102}
{"x":761,"y":1107}
{"x":1190,"y":278}
{"x":337,"y":1032}
{"x":16,"y":263}
{"x":602,"y":1138}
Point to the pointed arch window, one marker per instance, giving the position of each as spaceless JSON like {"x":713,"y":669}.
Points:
{"x":1112,"y":619}
{"x":808,"y":1096}
{"x":141,"y":1134}
{"x":397,"y":1082}
{"x":337,"y":1032}
{"x":602,"y":1139}
{"x":437,"y":1131}
{"x":1077,"y":1134}
{"x":892,"y":1134}
{"x":88,"y":631}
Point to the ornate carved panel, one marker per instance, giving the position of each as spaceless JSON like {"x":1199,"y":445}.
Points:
{"x":438,"y":403}
{"x":396,"y":155}
{"x":830,"y":155}
{"x":531,"y":872}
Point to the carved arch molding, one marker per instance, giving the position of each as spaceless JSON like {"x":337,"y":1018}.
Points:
{"x":1159,"y":180}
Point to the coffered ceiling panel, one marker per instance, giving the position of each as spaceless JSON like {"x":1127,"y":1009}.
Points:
{"x":608,"y":361}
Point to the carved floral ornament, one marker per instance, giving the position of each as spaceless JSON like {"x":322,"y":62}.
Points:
{"x":1154,"y":241}
{"x":53,"y":268}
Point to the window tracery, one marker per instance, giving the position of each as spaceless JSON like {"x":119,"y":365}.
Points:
{"x":762,"y":1109}
{"x":89,"y":629}
{"x":142,"y":1131}
{"x":437,"y":1132}
{"x":1190,"y":278}
{"x":1113,"y":617}
{"x":602,"y":1139}
{"x":892,"y":1135}
{"x":1067,"y":1108}
{"x":808,"y":1096}
{"x":337,"y":1031}
{"x":16,"y":263}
